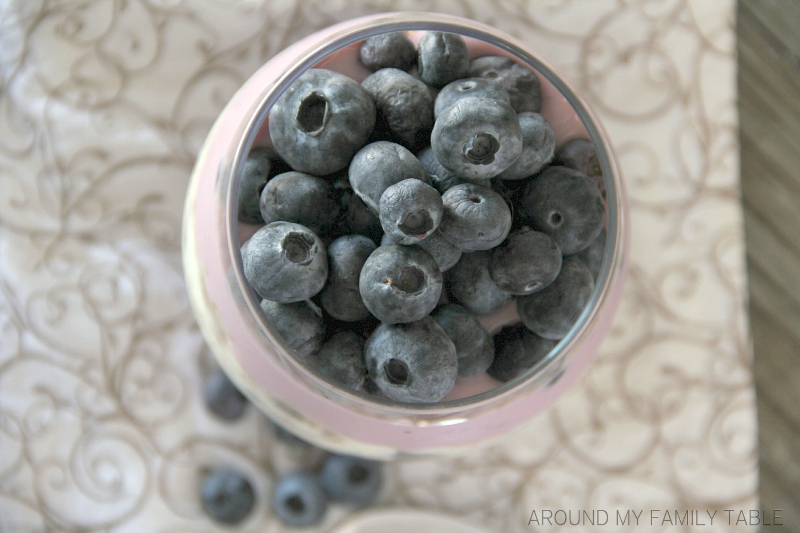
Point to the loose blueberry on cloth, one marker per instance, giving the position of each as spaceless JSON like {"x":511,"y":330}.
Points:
{"x":227,"y":495}
{"x":299,"y":499}
{"x":351,"y":480}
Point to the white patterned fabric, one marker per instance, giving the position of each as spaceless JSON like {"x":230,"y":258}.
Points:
{"x":103,"y":107}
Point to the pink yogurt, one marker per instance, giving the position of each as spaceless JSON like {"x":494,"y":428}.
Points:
{"x":252,"y":354}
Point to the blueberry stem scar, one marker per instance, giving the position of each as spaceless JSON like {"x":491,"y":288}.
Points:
{"x":396,"y":372}
{"x":297,"y":249}
{"x":481,"y":148}
{"x":313,"y":114}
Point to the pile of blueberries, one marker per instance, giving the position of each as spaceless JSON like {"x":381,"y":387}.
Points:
{"x":399,"y":209}
{"x":300,"y":498}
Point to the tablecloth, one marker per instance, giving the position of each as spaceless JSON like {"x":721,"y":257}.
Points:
{"x":103,"y":107}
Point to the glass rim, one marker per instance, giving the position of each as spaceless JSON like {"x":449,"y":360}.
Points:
{"x":420,"y":21}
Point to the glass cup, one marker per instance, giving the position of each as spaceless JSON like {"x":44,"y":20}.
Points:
{"x":254,"y":355}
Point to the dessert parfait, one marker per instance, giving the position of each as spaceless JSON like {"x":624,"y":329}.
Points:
{"x":420,"y":236}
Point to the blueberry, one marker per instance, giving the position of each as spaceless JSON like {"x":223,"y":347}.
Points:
{"x":379,"y":165}
{"x":285,"y":262}
{"x":445,"y":253}
{"x":320,"y":121}
{"x":388,"y":50}
{"x":285,"y":435}
{"x":528,"y":261}
{"x":299,"y":500}
{"x":552,"y":311}
{"x":520,"y":82}
{"x":470,"y":283}
{"x":410,"y":211}
{"x":299,"y":323}
{"x":468,"y":87}
{"x":255,"y":174}
{"x":474,"y":217}
{"x":474,"y":346}
{"x":340,"y":297}
{"x":372,"y":389}
{"x":341,"y":358}
{"x":223,"y":398}
{"x":227,"y":495}
{"x":442,"y":57}
{"x":441,"y":178}
{"x":400,"y":283}
{"x":592,"y":255}
{"x":356,"y":218}
{"x":300,"y":198}
{"x":538,"y":144}
{"x":413,"y":362}
{"x":517,"y":351}
{"x":351,"y":479}
{"x":581,"y":155}
{"x":404,"y":103}
{"x":477,"y":138}
{"x":566,"y":205}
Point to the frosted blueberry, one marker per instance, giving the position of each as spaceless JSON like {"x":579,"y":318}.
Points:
{"x":356,"y":218}
{"x":379,"y":165}
{"x":445,"y":253}
{"x":320,"y":121}
{"x":520,"y":82}
{"x":350,"y":479}
{"x":404,"y":103}
{"x":552,"y":311}
{"x":300,"y":198}
{"x":538,"y":144}
{"x":410,"y":211}
{"x":299,"y":323}
{"x":299,"y":500}
{"x":285,"y":262}
{"x":477,"y":138}
{"x":255,"y":174}
{"x":388,"y":50}
{"x":400,"y":283}
{"x":474,"y":346}
{"x":412,"y":362}
{"x":227,"y":495}
{"x":474,"y":217}
{"x":517,"y":351}
{"x":340,"y":297}
{"x":528,"y":261}
{"x":592,"y":255}
{"x":468,"y":87}
{"x":471,"y":285}
{"x":442,"y":57}
{"x":341,"y":358}
{"x":441,"y":178}
{"x":581,"y":155}
{"x":566,"y":205}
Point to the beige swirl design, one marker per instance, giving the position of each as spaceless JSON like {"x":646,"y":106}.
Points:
{"x":103,"y":108}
